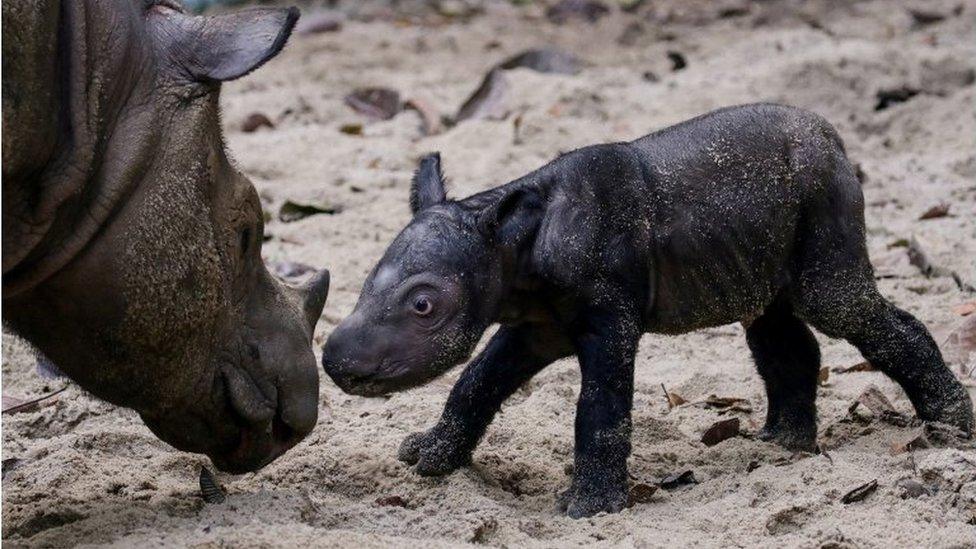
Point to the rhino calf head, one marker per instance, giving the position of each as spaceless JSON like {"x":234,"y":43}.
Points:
{"x":147,"y":285}
{"x":427,"y":302}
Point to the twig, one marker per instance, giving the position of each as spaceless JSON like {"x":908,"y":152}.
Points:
{"x":23,"y":405}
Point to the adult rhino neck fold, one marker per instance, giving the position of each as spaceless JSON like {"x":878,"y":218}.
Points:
{"x":51,"y":212}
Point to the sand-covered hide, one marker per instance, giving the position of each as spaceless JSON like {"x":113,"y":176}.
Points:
{"x":87,"y":472}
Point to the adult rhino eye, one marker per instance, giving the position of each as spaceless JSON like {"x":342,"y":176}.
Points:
{"x":422,"y":305}
{"x":245,"y":244}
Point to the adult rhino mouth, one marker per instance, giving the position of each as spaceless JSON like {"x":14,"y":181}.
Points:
{"x":265,"y":430}
{"x":258,"y":446}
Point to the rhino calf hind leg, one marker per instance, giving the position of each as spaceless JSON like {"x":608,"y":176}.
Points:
{"x":897,"y":344}
{"x":788,"y":359}
{"x":893,"y":341}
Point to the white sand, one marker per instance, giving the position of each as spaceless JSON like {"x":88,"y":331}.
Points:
{"x":91,"y":473}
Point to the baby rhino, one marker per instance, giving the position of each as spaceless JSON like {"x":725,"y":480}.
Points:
{"x":750,"y":214}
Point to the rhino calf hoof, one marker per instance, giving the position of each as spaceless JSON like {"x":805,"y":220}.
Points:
{"x":432,"y":454}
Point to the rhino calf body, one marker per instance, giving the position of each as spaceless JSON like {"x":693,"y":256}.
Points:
{"x":750,"y":214}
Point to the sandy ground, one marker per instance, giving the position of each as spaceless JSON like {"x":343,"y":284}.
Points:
{"x":89,"y":473}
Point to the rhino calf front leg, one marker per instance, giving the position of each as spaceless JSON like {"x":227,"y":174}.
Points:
{"x":512,"y":357}
{"x":606,"y":347}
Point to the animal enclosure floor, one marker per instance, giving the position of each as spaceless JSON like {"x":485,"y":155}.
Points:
{"x":85,"y":472}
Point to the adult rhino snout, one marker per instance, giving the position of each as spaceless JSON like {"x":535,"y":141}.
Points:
{"x":272,"y":389}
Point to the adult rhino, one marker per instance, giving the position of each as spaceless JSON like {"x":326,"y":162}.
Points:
{"x":131,"y":245}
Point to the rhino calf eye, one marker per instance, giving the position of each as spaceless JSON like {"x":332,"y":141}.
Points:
{"x":422,"y":305}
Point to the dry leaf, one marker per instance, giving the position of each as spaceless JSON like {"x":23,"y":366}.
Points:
{"x":585,"y":10}
{"x":430,"y":118}
{"x":720,"y":430}
{"x":391,"y":501}
{"x":860,"y":492}
{"x":316,"y":23}
{"x":965,"y":309}
{"x":674,"y":399}
{"x":935,"y":212}
{"x":960,"y":344}
{"x":488,"y":101}
{"x":675,"y":480}
{"x":640,"y":493}
{"x":873,"y":399}
{"x":724,"y":402}
{"x":375,"y":103}
{"x":254,"y":121}
{"x":823,"y":376}
{"x":912,"y":442}
{"x":351,"y":129}
{"x":859,"y":367}
{"x":545,"y":60}
{"x":290,"y":269}
{"x":293,"y":211}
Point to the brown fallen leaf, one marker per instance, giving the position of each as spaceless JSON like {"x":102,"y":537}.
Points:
{"x":675,"y":480}
{"x":873,"y":399}
{"x":674,"y":399}
{"x":544,"y":60}
{"x":723,"y":402}
{"x":965,"y":309}
{"x":960,"y":344}
{"x":316,"y":23}
{"x":375,"y":103}
{"x":678,"y":60}
{"x":290,"y":269}
{"x":640,"y":493}
{"x":910,"y":443}
{"x":351,"y":129}
{"x":488,"y":101}
{"x":9,"y":464}
{"x":429,"y":117}
{"x":293,"y":211}
{"x":391,"y":501}
{"x":859,"y":493}
{"x":823,"y":375}
{"x":935,"y":212}
{"x":720,"y":430}
{"x":255,"y":121}
{"x":911,"y":489}
{"x":584,"y":10}
{"x":923,"y":17}
{"x":864,"y":366}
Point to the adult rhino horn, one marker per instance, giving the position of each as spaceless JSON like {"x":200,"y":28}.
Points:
{"x":223,"y":47}
{"x":312,"y":295}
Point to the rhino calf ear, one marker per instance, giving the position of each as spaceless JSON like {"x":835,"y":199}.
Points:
{"x":427,"y":187}
{"x":225,"y":47}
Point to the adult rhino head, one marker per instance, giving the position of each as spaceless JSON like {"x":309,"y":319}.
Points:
{"x":131,"y":245}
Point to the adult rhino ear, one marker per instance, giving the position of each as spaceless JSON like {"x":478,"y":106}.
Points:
{"x":427,"y":187}
{"x":225,"y":47}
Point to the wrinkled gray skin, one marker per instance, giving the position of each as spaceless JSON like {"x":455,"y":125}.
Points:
{"x":750,"y":214}
{"x":131,"y":245}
